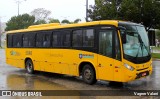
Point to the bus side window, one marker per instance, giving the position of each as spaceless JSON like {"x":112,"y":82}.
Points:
{"x":54,"y":42}
{"x":25,"y":40}
{"x":88,"y":38}
{"x":77,"y":38}
{"x":39,"y":40}
{"x":47,"y":40}
{"x":105,"y":43}
{"x":66,"y":39}
{"x":29,"y":40}
{"x":57,"y":38}
{"x":9,"y":40}
{"x":17,"y":40}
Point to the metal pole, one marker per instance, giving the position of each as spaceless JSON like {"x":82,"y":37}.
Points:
{"x":86,"y":10}
{"x":18,"y":2}
{"x":18,"y":7}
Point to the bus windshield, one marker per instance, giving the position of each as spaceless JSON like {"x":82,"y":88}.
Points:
{"x":135,"y":43}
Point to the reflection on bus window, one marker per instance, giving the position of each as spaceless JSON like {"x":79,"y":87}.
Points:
{"x":105,"y":43}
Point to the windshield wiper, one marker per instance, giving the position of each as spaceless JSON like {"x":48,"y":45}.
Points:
{"x":141,"y":46}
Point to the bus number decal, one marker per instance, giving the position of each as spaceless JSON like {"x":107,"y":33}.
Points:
{"x":28,"y":52}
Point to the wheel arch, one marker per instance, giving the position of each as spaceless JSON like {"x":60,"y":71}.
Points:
{"x":82,"y":64}
{"x":27,"y":58}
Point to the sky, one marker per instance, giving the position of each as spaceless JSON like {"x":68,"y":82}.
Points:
{"x":61,"y":9}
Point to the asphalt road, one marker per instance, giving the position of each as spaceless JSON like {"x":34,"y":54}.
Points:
{"x":12,"y":78}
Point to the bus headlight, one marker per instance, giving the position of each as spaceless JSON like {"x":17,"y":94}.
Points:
{"x":129,"y":67}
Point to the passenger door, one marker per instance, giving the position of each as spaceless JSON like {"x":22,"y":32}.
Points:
{"x":105,"y":59}
{"x":118,"y":69}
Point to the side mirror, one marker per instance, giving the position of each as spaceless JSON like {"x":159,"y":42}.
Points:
{"x":124,"y":38}
{"x":121,"y":28}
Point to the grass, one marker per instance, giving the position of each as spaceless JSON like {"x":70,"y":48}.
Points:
{"x":156,"y":48}
{"x":156,"y":55}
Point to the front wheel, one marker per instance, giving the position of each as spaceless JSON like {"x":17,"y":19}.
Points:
{"x":29,"y":66}
{"x":88,"y":74}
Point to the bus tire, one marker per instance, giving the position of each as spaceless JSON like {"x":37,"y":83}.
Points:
{"x":88,"y":74}
{"x":29,"y":66}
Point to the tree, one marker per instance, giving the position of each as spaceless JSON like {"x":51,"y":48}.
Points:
{"x":103,"y":10}
{"x":41,"y":14}
{"x":77,"y":20}
{"x":52,"y":20}
{"x":146,"y":12}
{"x":65,"y":21}
{"x":38,"y":22}
{"x":70,"y":22}
{"x":20,"y":22}
{"x":158,"y":34}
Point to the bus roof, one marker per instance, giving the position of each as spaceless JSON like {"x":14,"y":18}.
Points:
{"x":59,"y":26}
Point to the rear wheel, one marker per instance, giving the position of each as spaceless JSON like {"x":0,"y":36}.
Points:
{"x":29,"y":66}
{"x":88,"y":74}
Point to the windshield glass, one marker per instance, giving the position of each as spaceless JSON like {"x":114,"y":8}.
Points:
{"x":135,"y":43}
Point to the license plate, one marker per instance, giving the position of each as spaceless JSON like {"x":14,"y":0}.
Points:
{"x":144,"y":74}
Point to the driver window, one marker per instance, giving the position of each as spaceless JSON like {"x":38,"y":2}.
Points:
{"x":105,"y":42}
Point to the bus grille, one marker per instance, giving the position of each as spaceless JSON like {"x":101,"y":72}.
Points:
{"x":142,"y":69}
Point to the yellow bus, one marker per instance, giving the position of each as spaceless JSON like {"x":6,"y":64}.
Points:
{"x":109,"y":50}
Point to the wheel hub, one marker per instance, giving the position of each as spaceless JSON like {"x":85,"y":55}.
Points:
{"x":87,"y":74}
{"x":29,"y":66}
